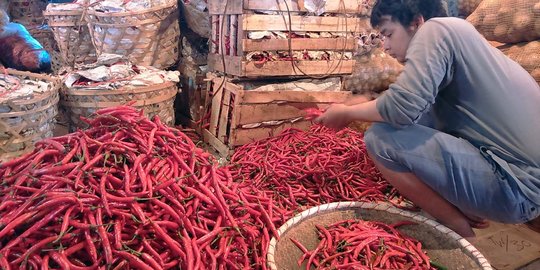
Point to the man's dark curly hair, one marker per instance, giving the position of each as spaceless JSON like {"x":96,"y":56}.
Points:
{"x":405,"y":11}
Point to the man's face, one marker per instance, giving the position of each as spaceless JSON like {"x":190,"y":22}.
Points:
{"x":397,"y":37}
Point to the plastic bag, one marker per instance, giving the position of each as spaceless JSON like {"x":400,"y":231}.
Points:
{"x":19,"y":50}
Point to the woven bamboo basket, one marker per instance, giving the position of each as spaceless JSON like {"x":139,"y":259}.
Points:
{"x":26,"y":120}
{"x":156,"y":99}
{"x":441,"y":244}
{"x":31,"y":10}
{"x":148,"y":37}
{"x":45,"y":36}
{"x":72,"y":36}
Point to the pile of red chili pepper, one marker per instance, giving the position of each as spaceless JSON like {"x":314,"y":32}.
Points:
{"x":128,"y":193}
{"x":358,"y":244}
{"x":302,"y":169}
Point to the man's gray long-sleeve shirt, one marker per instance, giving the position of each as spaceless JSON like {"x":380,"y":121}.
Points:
{"x":474,"y":92}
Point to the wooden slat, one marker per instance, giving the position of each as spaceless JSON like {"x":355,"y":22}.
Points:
{"x":263,"y":22}
{"x":250,"y":114}
{"x":227,"y":33}
{"x":224,"y":116}
{"x":233,"y":35}
{"x":220,"y":147}
{"x":239,"y":6}
{"x":240,"y":35}
{"x":238,"y":97}
{"x":335,"y":44}
{"x":265,"y":97}
{"x":284,"y":68}
{"x":331,"y":6}
{"x":215,"y":36}
{"x":216,"y":108}
{"x":222,"y":30}
{"x":225,"y":6}
{"x":244,"y":136}
{"x":235,"y":66}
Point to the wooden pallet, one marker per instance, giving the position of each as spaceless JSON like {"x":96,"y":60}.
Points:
{"x":232,"y":20}
{"x":233,"y":108}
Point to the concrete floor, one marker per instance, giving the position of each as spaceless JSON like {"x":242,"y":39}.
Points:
{"x":509,"y":247}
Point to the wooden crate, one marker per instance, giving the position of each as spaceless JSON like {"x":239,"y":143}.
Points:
{"x":233,"y":108}
{"x":232,"y":20}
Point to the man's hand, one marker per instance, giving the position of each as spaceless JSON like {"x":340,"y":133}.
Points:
{"x":336,"y":117}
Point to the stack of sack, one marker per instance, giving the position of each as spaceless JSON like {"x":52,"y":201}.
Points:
{"x":374,"y":70}
{"x":515,"y":23}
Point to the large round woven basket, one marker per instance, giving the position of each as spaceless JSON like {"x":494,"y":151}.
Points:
{"x":156,"y":99}
{"x":147,"y":37}
{"x":72,"y":36}
{"x":441,"y":244}
{"x":28,"y":119}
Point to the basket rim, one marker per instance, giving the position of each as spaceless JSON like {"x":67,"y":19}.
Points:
{"x":71,"y":12}
{"x":20,"y":101}
{"x":123,"y":90}
{"x":92,"y":11}
{"x":169,"y":87}
{"x":329,"y":207}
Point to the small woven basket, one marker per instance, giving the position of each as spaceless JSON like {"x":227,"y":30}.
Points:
{"x":72,"y":36}
{"x":148,"y":37}
{"x":31,"y":10}
{"x":441,"y":244}
{"x":26,"y":120}
{"x":156,"y":99}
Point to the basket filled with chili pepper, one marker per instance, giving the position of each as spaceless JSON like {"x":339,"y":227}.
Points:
{"x":362,"y":235}
{"x":28,"y":105}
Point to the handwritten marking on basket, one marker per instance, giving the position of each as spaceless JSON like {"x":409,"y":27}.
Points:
{"x":510,"y":243}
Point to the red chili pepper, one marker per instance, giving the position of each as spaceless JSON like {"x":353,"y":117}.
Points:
{"x":133,"y":260}
{"x":350,"y":241}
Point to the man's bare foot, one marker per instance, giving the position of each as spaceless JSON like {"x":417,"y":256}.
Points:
{"x":477,"y":222}
{"x":534,"y":224}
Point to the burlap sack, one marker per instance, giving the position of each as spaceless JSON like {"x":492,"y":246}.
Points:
{"x":466,"y":7}
{"x":508,"y":21}
{"x":197,"y":18}
{"x":527,"y":54}
{"x":373,"y":73}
